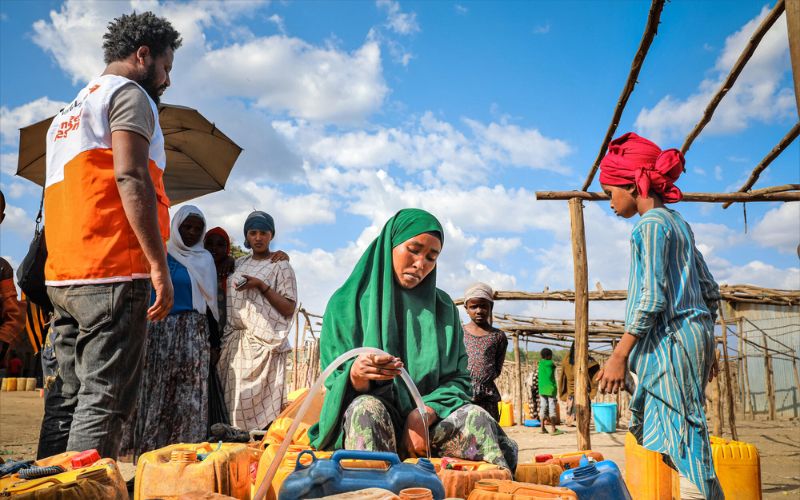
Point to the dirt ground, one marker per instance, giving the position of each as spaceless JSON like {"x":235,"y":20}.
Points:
{"x":778,"y":442}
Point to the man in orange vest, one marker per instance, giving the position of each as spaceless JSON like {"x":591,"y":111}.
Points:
{"x":107,"y":222}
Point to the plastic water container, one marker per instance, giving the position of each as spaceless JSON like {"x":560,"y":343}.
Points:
{"x":289,"y":464}
{"x":10,"y":384}
{"x":538,"y":473}
{"x":646,"y":474}
{"x":459,"y":477}
{"x":605,"y":417}
{"x":21,"y":381}
{"x":596,"y":480}
{"x":572,"y":459}
{"x":328,"y":477}
{"x":506,"y":413}
{"x":174,"y":470}
{"x":532,"y":422}
{"x":101,"y":480}
{"x":513,"y":490}
{"x":738,"y":467}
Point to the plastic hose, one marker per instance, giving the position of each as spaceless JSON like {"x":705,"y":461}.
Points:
{"x":261,"y":493}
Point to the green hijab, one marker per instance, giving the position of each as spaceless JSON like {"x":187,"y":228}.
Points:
{"x":421,"y":326}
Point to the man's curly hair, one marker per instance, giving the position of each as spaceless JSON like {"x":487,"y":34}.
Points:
{"x":130,"y":31}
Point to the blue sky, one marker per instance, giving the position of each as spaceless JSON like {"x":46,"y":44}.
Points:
{"x":349,"y":111}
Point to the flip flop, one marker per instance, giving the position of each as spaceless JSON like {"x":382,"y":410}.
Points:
{"x":557,"y":432}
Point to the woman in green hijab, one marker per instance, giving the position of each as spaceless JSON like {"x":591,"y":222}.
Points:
{"x":390,"y":301}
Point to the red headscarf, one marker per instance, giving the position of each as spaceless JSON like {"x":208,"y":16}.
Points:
{"x":635,"y":160}
{"x":220,"y":232}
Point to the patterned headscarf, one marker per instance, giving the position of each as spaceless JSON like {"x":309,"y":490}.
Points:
{"x":479,"y":291}
{"x":635,"y":160}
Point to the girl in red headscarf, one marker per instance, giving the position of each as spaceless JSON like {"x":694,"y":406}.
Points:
{"x":670,"y":313}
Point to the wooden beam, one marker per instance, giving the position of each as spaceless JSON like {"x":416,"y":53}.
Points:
{"x":650,"y":31}
{"x":727,"y":371}
{"x":737,"y":68}
{"x":731,"y":293}
{"x":580,"y":270}
{"x":777,"y":150}
{"x":561,"y":329}
{"x":295,"y":372}
{"x":793,"y":28}
{"x":770,"y":392}
{"x":751,"y":197}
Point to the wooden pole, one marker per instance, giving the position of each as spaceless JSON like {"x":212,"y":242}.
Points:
{"x":770,"y":394}
{"x":793,"y":28}
{"x":582,"y":407}
{"x":716,"y":401}
{"x":295,"y":371}
{"x":777,"y":150}
{"x":518,"y":380}
{"x":748,"y":401}
{"x":796,"y":380}
{"x":737,"y":68}
{"x":651,"y":29}
{"x":727,"y":371}
{"x":619,"y":393}
{"x":740,"y":369}
{"x":749,"y":197}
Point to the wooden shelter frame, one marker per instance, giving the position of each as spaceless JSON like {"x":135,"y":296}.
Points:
{"x":785,"y":193}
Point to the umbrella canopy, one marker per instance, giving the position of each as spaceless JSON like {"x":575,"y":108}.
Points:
{"x":199,"y":156}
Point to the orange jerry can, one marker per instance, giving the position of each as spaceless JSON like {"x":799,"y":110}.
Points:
{"x":646,"y":474}
{"x":460,"y":476}
{"x":537,"y":473}
{"x":573,"y":459}
{"x":99,"y":480}
{"x":169,"y":472}
{"x":738,"y":467}
{"x":512,"y":490}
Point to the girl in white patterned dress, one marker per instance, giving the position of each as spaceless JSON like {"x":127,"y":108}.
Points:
{"x":255,"y":343}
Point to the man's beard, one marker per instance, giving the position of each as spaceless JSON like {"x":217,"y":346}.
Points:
{"x":149,"y":85}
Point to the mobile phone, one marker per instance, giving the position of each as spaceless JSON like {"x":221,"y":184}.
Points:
{"x":240,"y":282}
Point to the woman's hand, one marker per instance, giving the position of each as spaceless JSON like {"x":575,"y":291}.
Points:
{"x":612,"y":374}
{"x":415,"y":430}
{"x":253,"y":283}
{"x":279,"y":256}
{"x":373,"y":367}
{"x":714,"y":372}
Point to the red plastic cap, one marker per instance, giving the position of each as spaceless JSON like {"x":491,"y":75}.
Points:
{"x":85,"y":459}
{"x":543,"y":458}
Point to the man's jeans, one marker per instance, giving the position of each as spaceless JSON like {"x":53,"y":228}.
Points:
{"x":99,"y":333}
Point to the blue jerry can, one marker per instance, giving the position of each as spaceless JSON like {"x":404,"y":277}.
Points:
{"x":595,"y":480}
{"x":328,"y":477}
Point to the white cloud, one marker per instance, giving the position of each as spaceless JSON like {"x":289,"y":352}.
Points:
{"x":755,"y":272}
{"x":8,"y":164}
{"x":780,"y":228}
{"x":402,"y":23}
{"x":278,"y":22}
{"x":541,"y":29}
{"x":291,"y":212}
{"x":460,"y":9}
{"x":288,"y":75}
{"x":18,"y":221}
{"x":494,"y":248}
{"x":279,"y":73}
{"x":11,"y":120}
{"x":757,"y":95}
{"x":429,"y":144}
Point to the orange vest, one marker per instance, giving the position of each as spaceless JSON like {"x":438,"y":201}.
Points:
{"x":89,"y":238}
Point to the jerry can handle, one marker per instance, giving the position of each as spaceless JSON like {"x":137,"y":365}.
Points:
{"x":381,"y":456}
{"x":299,"y":465}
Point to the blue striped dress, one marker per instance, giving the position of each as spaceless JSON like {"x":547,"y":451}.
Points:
{"x":671,"y":308}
